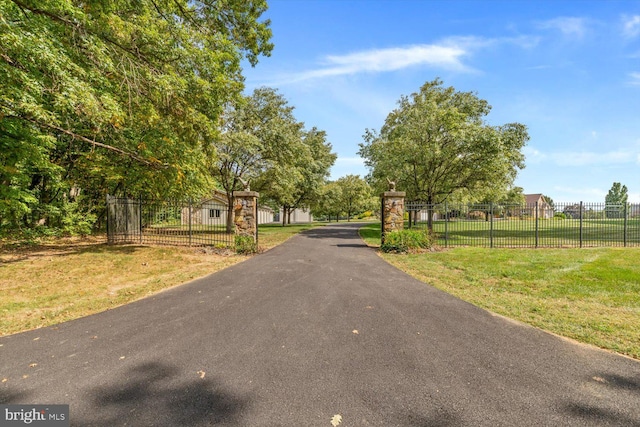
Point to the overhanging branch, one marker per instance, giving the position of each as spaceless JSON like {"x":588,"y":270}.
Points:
{"x":74,"y":135}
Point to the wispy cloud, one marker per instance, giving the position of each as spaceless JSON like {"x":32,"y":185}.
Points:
{"x":385,"y":60}
{"x":569,"y":26}
{"x":447,"y":54}
{"x":631,"y":26}
{"x":635,"y":79}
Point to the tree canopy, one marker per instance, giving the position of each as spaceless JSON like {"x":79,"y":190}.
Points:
{"x":115,"y":95}
{"x":616,"y":201}
{"x":263,"y":144}
{"x":436,"y":145}
{"x":348,"y":195}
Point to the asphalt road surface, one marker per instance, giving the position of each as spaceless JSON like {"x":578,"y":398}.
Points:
{"x":317,"y":332}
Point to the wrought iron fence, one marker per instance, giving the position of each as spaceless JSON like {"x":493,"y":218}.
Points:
{"x":166,"y":222}
{"x":529,"y":225}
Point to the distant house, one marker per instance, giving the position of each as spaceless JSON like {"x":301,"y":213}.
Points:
{"x":572,"y":211}
{"x":298,"y":215}
{"x":545,"y":210}
{"x":213,"y":211}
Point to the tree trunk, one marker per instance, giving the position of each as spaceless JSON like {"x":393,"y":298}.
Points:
{"x":230,"y":229}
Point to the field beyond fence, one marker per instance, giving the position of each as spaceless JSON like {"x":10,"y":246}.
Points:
{"x":529,"y":225}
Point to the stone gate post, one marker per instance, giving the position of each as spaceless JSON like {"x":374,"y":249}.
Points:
{"x":392,"y":212}
{"x":245,"y":207}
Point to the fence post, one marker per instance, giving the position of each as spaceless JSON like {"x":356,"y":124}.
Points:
{"x":140,"y":216}
{"x":127,"y":232}
{"x":625,"y":224}
{"x":537,"y":225}
{"x":580,"y":224}
{"x":190,"y":219}
{"x":446,"y":225}
{"x":491,"y":225}
{"x":392,"y":212}
{"x":110,"y":239}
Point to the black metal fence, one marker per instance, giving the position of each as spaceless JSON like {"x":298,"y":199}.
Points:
{"x":163,"y":222}
{"x":529,"y":225}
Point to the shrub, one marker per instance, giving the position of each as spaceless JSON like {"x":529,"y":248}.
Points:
{"x":560,"y":215}
{"x":479,"y":215}
{"x":406,"y":240}
{"x":245,"y":245}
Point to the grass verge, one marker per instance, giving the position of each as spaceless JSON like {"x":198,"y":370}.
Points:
{"x":590,"y":295}
{"x":63,"y":279}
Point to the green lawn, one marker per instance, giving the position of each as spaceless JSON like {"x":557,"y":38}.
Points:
{"x":590,"y":294}
{"x":542,"y":233}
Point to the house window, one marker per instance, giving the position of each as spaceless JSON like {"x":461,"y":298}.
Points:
{"x":214,"y":213}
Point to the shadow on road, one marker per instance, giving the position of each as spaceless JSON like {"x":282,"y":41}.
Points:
{"x":154,"y":394}
{"x":10,"y":397}
{"x":599,"y":415}
{"x":604,"y":416}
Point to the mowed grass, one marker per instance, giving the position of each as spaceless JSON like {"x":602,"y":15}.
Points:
{"x":591,"y":295}
{"x":65,"y":279}
{"x":543,"y":233}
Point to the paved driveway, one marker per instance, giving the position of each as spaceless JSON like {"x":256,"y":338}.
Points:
{"x":315,"y":328}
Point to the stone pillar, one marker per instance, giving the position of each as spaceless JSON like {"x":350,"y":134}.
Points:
{"x":392,"y":212}
{"x":245,"y":208}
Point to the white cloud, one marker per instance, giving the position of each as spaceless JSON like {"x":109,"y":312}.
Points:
{"x":631,"y":26}
{"x":384,"y":60}
{"x":446,"y":54}
{"x":569,"y":26}
{"x":635,"y":79}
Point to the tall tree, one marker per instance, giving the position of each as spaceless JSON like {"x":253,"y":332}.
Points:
{"x":616,"y":201}
{"x":260,"y":137}
{"x":306,"y":176}
{"x":118,"y":94}
{"x":435,"y":144}
{"x":329,"y":202}
{"x":355,"y":194}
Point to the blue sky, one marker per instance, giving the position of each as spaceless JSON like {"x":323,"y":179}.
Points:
{"x":568,"y":70}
